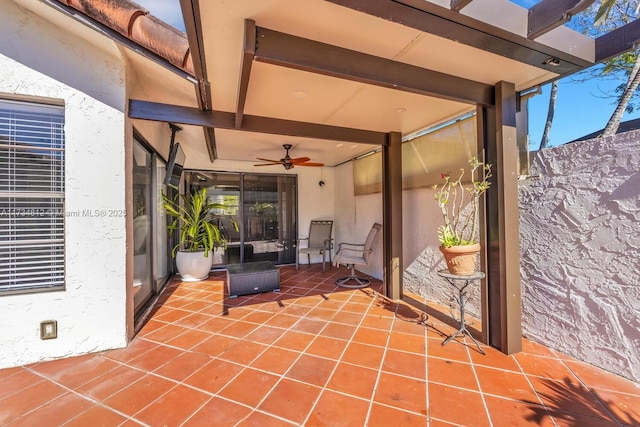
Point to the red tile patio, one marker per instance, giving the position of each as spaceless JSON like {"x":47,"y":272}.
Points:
{"x":314,"y":355}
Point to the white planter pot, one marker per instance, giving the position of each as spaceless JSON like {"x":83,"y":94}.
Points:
{"x":193,"y":266}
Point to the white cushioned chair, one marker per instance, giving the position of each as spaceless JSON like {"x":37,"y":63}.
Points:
{"x":352,"y":254}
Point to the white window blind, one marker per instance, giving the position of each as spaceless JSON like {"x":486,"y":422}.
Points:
{"x":31,"y":197}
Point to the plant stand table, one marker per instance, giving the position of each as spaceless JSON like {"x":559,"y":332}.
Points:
{"x":252,"y":278}
{"x":460,"y":283}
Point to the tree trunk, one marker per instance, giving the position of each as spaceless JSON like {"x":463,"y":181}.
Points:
{"x":632,"y":85}
{"x":552,"y":108}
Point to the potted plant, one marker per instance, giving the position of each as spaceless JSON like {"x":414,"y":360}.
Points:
{"x":459,"y":204}
{"x":198,"y":235}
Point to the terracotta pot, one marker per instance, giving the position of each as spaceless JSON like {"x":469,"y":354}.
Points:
{"x":461,"y":260}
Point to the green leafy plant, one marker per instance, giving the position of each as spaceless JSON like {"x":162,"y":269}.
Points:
{"x":262,"y":209}
{"x":197,"y":232}
{"x":460,"y":222}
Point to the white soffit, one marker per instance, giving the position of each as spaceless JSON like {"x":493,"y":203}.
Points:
{"x":567,"y":40}
{"x":499,"y":13}
{"x":241,"y":145}
{"x":224,"y":28}
{"x":340,"y":102}
{"x":514,"y":18}
{"x":153,"y":82}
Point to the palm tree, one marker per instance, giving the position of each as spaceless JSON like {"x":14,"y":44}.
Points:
{"x":633,"y":80}
{"x":632,"y":85}
{"x":544,"y":142}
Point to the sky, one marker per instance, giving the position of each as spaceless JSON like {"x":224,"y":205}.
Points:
{"x":581,"y":108}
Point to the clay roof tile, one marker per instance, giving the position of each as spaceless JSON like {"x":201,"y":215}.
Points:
{"x":162,"y":39}
{"x":134,"y":22}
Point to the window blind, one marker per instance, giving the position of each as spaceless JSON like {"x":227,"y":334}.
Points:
{"x":31,"y":197}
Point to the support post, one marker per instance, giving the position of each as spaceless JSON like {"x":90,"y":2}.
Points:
{"x":392,"y":216}
{"x":502,"y":223}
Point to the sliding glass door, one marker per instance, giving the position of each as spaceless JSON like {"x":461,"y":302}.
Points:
{"x":142,"y":273}
{"x":151,"y":255}
{"x":258,"y":217}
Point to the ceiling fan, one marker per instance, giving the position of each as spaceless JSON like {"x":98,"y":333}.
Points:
{"x":289,"y":162}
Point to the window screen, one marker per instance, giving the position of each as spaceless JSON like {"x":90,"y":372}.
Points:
{"x":31,"y":197}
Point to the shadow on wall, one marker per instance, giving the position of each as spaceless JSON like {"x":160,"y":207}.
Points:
{"x":628,"y":189}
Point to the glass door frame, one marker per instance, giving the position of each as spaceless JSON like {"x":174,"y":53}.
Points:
{"x":157,"y":283}
{"x":242,"y":210}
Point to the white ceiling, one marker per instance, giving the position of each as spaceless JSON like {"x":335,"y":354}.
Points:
{"x":297,"y":95}
{"x":290,"y":94}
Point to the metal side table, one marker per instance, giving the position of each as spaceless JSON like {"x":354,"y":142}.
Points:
{"x":460,"y":283}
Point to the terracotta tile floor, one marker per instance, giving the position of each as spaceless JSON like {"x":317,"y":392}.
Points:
{"x":313,"y":355}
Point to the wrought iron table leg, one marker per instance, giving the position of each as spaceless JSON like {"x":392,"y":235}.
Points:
{"x":463,"y":328}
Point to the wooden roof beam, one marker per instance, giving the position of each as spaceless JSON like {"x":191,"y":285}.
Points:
{"x":458,"y":5}
{"x":432,"y":18}
{"x":618,"y":41}
{"x":193,"y":26}
{"x":308,"y":55}
{"x":549,"y":14}
{"x":147,"y":110}
{"x":248,"y":53}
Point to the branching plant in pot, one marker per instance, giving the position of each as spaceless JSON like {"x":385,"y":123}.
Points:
{"x":459,"y":204}
{"x":198,"y":235}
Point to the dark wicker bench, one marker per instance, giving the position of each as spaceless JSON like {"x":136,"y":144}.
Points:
{"x":252,"y":277}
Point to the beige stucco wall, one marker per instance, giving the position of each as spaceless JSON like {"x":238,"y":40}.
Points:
{"x":355,"y":216}
{"x":41,"y":60}
{"x":580,"y":223}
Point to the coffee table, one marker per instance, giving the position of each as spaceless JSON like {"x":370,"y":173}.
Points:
{"x":252,"y":277}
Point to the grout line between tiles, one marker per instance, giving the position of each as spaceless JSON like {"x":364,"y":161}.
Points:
{"x":339,"y":360}
{"x":88,"y":398}
{"x":379,"y":374}
{"x":478,"y":384}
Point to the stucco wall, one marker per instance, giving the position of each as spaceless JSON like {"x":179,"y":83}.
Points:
{"x":580,"y":223}
{"x":421,"y":217}
{"x":355,"y":216}
{"x":39,"y":59}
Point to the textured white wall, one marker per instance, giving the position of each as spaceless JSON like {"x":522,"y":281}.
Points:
{"x":580,"y":223}
{"x":91,"y":311}
{"x":355,"y":216}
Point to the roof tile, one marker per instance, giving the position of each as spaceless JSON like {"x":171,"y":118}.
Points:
{"x":135,"y":23}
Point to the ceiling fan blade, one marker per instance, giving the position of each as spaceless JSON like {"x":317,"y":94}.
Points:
{"x":310,"y":164}
{"x":268,"y":164}
{"x":275,"y":162}
{"x":299,"y":160}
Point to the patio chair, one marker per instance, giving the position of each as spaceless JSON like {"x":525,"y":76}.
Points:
{"x":319,"y":242}
{"x":352,"y":254}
